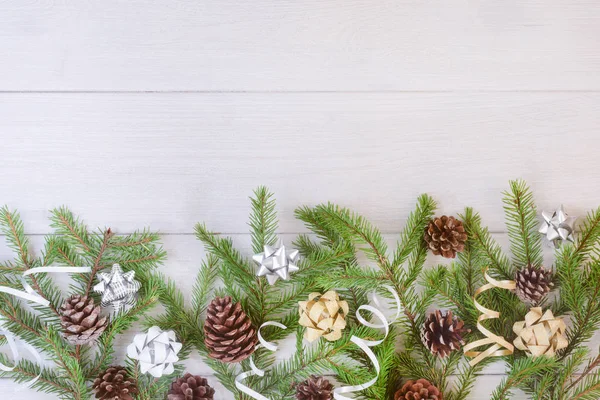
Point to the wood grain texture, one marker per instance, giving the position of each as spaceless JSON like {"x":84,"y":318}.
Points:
{"x":185,"y":253}
{"x":168,"y":160}
{"x":306,"y":45}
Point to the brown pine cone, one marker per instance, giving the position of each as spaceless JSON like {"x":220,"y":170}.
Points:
{"x":190,"y":387}
{"x":533,"y":284}
{"x":115,"y":384}
{"x":419,"y":390}
{"x":81,"y":320}
{"x":314,"y":388}
{"x":442,"y":334}
{"x":229,"y":333}
{"x":445,"y":236}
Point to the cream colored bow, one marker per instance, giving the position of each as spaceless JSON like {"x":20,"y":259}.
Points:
{"x":323,"y":315}
{"x":541,"y":334}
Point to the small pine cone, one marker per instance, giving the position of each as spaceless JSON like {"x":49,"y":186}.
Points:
{"x":442,"y":334}
{"x":533,"y":284}
{"x":229,"y":334}
{"x":115,"y":384}
{"x":419,"y":390}
{"x":81,"y":320}
{"x":190,"y":387}
{"x":445,"y":236}
{"x":314,"y":388}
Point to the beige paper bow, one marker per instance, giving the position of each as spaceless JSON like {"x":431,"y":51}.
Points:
{"x":540,"y":334}
{"x":323,"y":315}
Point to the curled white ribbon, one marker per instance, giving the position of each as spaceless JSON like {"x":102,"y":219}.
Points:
{"x":254,"y":369}
{"x":10,"y":339}
{"x":29,"y":293}
{"x":365,"y":345}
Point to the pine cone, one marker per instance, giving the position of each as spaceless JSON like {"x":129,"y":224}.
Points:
{"x":445,"y":236}
{"x":229,"y":333}
{"x":81,"y":320}
{"x":115,"y":384}
{"x":190,"y":387}
{"x":419,"y":390}
{"x":533,"y":284}
{"x":442,"y":334}
{"x":314,"y":388}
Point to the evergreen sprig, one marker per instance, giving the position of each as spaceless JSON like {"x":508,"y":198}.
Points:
{"x":72,"y":244}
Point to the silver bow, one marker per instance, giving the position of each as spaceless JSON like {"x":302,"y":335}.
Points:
{"x":277,"y":262}
{"x":117,"y":288}
{"x":156,"y":351}
{"x":558,"y":226}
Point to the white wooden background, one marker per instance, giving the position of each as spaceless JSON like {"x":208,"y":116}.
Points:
{"x":165,"y":113}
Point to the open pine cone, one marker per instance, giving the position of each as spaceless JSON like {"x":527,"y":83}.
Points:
{"x":81,"y":320}
{"x":419,"y":390}
{"x":314,"y":388}
{"x":229,"y":334}
{"x":442,"y":334}
{"x":115,"y":384}
{"x":445,"y":236}
{"x":190,"y":387}
{"x":533,"y":284}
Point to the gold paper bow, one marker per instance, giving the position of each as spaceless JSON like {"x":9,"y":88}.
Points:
{"x":323,"y":315}
{"x":540,"y":334}
{"x":498,"y":342}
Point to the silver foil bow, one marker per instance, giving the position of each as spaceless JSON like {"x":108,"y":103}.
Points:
{"x":117,"y":288}
{"x":558,"y":226}
{"x":156,"y":351}
{"x":277,"y":262}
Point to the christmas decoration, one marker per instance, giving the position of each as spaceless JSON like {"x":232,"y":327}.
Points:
{"x":445,"y":236}
{"x":314,"y":388}
{"x":229,"y":334}
{"x":421,"y":389}
{"x":365,"y":345}
{"x":443,"y":333}
{"x":115,"y":384}
{"x":277,"y":262}
{"x":81,"y":320}
{"x":190,"y":387}
{"x":12,"y":341}
{"x":533,"y":284}
{"x":497,"y":342}
{"x":117,"y":288}
{"x":541,"y":334}
{"x":323,"y":315}
{"x":557,"y":226}
{"x":156,"y":351}
{"x":254,"y":370}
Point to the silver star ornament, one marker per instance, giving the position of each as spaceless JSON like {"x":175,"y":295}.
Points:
{"x":277,"y":262}
{"x":117,"y":288}
{"x":557,"y":226}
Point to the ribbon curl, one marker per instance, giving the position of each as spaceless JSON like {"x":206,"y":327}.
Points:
{"x":11,"y":341}
{"x":30,"y":294}
{"x":254,"y":370}
{"x":498,"y":342}
{"x":365,"y":345}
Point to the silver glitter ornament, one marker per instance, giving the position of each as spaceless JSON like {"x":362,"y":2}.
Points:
{"x":558,"y":226}
{"x":277,"y":262}
{"x":117,"y":288}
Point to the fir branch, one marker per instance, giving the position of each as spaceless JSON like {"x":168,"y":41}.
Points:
{"x":522,"y":370}
{"x":12,"y":226}
{"x":522,"y":222}
{"x":263,"y":219}
{"x":414,"y":229}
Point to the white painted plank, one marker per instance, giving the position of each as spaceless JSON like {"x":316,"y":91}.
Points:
{"x":170,"y":160}
{"x":184,"y":256}
{"x":265,"y":45}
